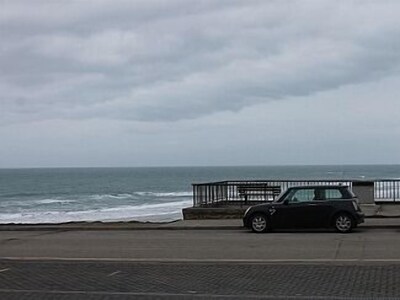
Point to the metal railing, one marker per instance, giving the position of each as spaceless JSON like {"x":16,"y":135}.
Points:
{"x":387,"y":190}
{"x":228,"y":192}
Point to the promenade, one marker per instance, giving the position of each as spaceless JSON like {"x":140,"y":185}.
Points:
{"x":387,"y":215}
{"x":203,"y":263}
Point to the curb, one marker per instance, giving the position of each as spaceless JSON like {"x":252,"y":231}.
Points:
{"x":165,"y":226}
{"x":101,"y":228}
{"x":106,"y":228}
{"x":379,"y":226}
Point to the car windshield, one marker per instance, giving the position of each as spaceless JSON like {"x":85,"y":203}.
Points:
{"x":280,"y":197}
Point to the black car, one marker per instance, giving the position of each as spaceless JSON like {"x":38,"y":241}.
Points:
{"x":307,"y":207}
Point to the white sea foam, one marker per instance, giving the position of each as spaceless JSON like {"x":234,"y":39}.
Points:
{"x":168,"y":194}
{"x":119,"y":196}
{"x":146,"y":212}
{"x":51,"y":201}
{"x":109,"y":196}
{"x":141,"y":206}
{"x":34,"y":202}
{"x":135,"y":195}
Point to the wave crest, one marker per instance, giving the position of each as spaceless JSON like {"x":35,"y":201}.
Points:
{"x":165,"y":194}
{"x":51,"y":201}
{"x":169,"y":211}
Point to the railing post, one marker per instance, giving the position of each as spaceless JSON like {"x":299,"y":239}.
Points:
{"x":226,"y":191}
{"x":194,"y":195}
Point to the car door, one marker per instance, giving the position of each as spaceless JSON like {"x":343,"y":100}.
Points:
{"x":332,"y":195}
{"x":295,"y":210}
{"x":317,"y":211}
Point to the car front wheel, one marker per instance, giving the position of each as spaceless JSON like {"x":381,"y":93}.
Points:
{"x":343,"y":223}
{"x":259,"y":223}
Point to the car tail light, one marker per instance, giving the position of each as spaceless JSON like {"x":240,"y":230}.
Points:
{"x":356,"y":206}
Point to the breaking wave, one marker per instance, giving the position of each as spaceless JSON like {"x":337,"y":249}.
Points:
{"x":51,"y":201}
{"x":169,"y":194}
{"x":169,"y":211}
{"x":137,"y":195}
{"x":140,"y":206}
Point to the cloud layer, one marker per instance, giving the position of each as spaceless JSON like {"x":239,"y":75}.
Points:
{"x":174,"y":60}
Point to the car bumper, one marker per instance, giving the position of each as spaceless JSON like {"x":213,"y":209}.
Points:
{"x":360,"y":217}
{"x":245,"y":222}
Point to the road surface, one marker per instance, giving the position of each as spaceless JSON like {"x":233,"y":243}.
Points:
{"x":199,"y":264}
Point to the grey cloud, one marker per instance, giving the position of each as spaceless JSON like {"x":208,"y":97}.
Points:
{"x":167,"y":61}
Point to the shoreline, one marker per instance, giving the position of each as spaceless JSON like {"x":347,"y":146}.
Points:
{"x":95,"y":223}
{"x":372,"y":212}
{"x":82,"y":225}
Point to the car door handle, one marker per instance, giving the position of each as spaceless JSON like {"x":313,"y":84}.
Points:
{"x":312,"y":204}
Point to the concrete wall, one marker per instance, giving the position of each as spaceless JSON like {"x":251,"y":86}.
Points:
{"x":364,"y":190}
{"x":196,"y":213}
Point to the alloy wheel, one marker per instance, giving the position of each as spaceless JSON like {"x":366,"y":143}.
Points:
{"x":343,"y":223}
{"x":259,"y":223}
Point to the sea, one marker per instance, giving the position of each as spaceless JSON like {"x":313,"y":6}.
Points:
{"x":146,"y":194}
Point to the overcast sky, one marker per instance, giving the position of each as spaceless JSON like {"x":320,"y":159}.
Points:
{"x":181,"y":83}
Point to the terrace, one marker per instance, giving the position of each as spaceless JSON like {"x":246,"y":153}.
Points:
{"x":228,"y":199}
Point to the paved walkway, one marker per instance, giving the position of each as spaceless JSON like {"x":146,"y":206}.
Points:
{"x":178,"y":225}
{"x":126,"y":280}
{"x":199,"y":264}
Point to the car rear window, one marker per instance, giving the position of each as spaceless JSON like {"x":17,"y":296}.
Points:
{"x":337,"y":194}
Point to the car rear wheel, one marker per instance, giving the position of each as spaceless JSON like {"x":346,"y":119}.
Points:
{"x":259,"y":223}
{"x":343,"y":223}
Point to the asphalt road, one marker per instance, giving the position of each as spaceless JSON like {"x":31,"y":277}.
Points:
{"x":202,"y":245}
{"x":200,"y":264}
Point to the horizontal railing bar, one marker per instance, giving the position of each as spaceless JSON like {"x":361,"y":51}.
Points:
{"x":300,"y":180}
{"x":229,"y":190}
{"x":207,"y":183}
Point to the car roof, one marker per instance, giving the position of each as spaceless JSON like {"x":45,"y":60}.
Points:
{"x":326,"y":186}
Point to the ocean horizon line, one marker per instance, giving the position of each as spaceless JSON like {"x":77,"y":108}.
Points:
{"x":200,"y":166}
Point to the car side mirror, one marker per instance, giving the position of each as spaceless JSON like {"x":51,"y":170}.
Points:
{"x":286,"y":201}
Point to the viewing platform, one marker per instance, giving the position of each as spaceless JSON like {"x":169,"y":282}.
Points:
{"x":229,"y":199}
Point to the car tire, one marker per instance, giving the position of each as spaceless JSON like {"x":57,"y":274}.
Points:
{"x":259,"y":223}
{"x":343,"y":223}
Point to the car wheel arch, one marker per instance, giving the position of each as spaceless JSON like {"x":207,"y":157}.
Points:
{"x":336,"y":213}
{"x":259,"y":213}
{"x":340,"y":224}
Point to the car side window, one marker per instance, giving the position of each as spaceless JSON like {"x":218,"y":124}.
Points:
{"x":300,"y":195}
{"x":333,"y":194}
{"x":319,"y":194}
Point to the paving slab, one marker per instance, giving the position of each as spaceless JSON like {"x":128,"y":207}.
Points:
{"x":126,"y":280}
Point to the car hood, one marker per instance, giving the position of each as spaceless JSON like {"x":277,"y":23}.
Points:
{"x":267,"y":204}
{"x":262,"y":207}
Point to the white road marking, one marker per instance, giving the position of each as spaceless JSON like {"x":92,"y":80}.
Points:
{"x":113,"y":273}
{"x":195,"y":260}
{"x":149,"y":294}
{"x":4,"y":270}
